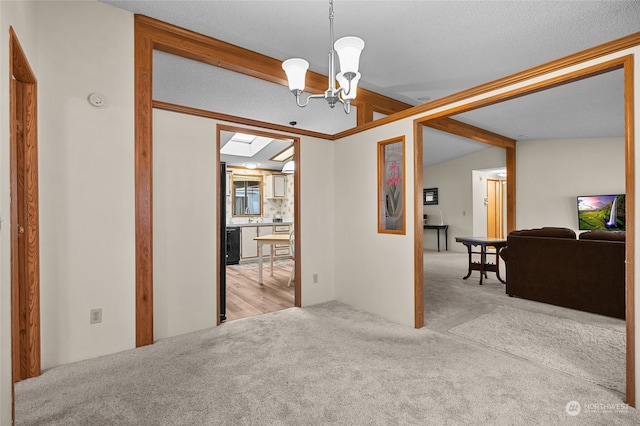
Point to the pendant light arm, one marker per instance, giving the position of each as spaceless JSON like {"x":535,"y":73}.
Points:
{"x":297,"y":94}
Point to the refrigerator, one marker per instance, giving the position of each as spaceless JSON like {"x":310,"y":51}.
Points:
{"x":222,"y":250}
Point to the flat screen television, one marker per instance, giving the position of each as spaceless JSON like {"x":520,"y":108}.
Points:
{"x":605,"y":212}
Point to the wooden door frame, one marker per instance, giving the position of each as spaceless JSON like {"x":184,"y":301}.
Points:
{"x":25,"y":294}
{"x":626,"y":64}
{"x":151,"y":34}
{"x":297,"y":302}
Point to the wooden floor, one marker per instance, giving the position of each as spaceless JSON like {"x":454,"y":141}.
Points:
{"x":247,"y":298}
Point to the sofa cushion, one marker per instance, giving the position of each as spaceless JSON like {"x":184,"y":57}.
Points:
{"x":597,"y":234}
{"x":548,"y":231}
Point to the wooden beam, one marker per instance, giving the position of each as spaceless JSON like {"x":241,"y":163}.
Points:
{"x":188,"y":44}
{"x":464,"y":130}
{"x":511,"y":188}
{"x":143,"y":171}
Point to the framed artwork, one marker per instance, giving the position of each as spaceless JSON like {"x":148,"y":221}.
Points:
{"x":430,"y":196}
{"x":391,"y":186}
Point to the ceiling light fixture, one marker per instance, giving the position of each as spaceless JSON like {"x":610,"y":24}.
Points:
{"x":251,"y":165}
{"x":348,"y":50}
{"x":289,"y":167}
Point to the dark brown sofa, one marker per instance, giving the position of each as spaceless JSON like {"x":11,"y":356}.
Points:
{"x":551,"y":265}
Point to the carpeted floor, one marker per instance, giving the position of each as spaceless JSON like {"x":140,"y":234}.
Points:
{"x":591,"y":353}
{"x":327,"y":364}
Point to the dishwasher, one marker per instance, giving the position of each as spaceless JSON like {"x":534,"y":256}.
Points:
{"x":233,"y":245}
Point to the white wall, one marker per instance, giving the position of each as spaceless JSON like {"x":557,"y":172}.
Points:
{"x":455,"y":194}
{"x":86,"y":189}
{"x":184,"y":237}
{"x":87,"y":242}
{"x":184,"y":223}
{"x":374,"y":272}
{"x":21,"y":16}
{"x":557,"y":171}
{"x":317,"y":229}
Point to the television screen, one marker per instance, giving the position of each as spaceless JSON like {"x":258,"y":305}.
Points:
{"x":604,"y":212}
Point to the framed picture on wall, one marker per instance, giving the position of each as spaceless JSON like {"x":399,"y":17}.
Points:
{"x":430,"y":196}
{"x":391,"y":186}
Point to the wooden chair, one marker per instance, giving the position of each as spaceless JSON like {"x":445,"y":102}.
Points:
{"x":292,"y":252}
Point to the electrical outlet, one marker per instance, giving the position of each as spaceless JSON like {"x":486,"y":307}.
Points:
{"x":95,"y":316}
{"x":315,"y":278}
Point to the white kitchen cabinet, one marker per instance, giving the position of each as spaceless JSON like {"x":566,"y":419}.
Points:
{"x":249,"y":246}
{"x":275,"y":186}
{"x":229,"y":183}
{"x":281,"y":249}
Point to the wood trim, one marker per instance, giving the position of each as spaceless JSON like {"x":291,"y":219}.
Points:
{"x":596,"y":52}
{"x":630,"y":228}
{"x":510,"y":162}
{"x":24,"y":218}
{"x":364,"y":114}
{"x":381,"y":172}
{"x":219,"y":229}
{"x":418,"y":231}
{"x":297,"y":221}
{"x":625,"y":62}
{"x":179,"y":41}
{"x":25,"y":245}
{"x":166,"y":106}
{"x":449,"y":125}
{"x":143,"y":186}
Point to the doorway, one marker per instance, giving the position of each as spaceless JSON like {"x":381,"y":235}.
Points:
{"x":495,"y":208}
{"x":258,"y":199}
{"x":625,"y":63}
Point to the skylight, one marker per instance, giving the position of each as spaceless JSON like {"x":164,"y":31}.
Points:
{"x":243,"y":145}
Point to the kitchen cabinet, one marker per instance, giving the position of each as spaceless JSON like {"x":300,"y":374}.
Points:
{"x":275,"y":186}
{"x":229,"y":184}
{"x":281,"y":249}
{"x":249,"y":247}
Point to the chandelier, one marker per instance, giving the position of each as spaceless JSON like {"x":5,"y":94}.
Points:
{"x":348,"y":50}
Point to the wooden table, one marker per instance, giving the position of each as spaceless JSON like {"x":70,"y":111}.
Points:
{"x":269,"y":239}
{"x":446,"y":234}
{"x":483,"y":266}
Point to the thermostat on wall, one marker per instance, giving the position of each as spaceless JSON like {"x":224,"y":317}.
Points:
{"x":97,"y":100}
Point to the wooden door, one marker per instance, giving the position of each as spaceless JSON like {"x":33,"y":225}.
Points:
{"x":25,"y":252}
{"x":495,"y":209}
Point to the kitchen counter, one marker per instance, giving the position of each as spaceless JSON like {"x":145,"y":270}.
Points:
{"x":258,"y":224}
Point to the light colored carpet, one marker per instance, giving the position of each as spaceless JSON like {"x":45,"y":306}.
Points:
{"x":592,"y":353}
{"x":329,"y":364}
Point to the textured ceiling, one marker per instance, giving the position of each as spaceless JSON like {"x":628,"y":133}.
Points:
{"x":414,"y":49}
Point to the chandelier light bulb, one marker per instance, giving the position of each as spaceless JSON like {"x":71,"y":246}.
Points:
{"x":349,"y":49}
{"x":296,"y":70}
